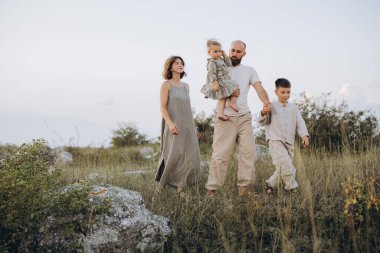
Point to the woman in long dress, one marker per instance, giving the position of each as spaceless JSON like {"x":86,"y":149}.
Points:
{"x":179,"y":163}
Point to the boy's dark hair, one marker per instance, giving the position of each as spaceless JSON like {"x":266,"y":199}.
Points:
{"x":282,"y":82}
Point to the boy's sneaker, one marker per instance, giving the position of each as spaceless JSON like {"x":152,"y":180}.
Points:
{"x":292,"y":191}
{"x":269,"y":189}
{"x":243,"y":191}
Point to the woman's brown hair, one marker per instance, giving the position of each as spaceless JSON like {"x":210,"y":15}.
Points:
{"x":167,"y":73}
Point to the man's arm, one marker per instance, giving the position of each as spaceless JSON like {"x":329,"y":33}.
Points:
{"x":261,"y":92}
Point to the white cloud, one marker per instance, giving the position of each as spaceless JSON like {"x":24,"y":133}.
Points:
{"x":345,"y":90}
{"x":359,"y":98}
{"x":352,"y":93}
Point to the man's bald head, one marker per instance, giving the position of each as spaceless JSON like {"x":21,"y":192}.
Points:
{"x":237,"y":52}
{"x":239,"y":42}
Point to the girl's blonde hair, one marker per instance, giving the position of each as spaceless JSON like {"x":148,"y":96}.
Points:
{"x":213,"y":42}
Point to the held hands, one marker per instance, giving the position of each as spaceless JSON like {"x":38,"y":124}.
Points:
{"x":215,"y":86}
{"x":305,"y":141}
{"x":266,"y":109}
{"x":198,"y":133}
{"x":173,"y":129}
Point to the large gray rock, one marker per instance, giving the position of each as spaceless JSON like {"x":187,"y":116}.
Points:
{"x":130,"y":227}
{"x":129,"y":223}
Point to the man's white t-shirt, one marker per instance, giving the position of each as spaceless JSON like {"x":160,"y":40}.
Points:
{"x":244,"y":76}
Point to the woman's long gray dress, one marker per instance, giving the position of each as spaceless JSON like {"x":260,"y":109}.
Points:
{"x":179,"y":163}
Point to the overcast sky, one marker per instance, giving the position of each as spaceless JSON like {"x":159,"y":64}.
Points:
{"x":70,"y":71}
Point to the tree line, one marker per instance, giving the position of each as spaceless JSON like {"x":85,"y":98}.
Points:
{"x":332,"y":127}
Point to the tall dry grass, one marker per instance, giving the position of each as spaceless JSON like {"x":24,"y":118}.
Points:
{"x":311,"y":220}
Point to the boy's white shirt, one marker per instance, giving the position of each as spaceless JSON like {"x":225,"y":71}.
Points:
{"x":284,"y":122}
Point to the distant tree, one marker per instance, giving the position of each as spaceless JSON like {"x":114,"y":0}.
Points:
{"x":127,"y":135}
{"x":336,"y":127}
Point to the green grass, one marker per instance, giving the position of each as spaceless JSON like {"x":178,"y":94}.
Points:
{"x":311,"y":220}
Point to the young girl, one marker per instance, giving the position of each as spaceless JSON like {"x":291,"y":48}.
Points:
{"x":219,"y":85}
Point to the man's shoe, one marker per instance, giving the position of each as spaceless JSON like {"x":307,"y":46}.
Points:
{"x":243,"y":191}
{"x":210,"y":193}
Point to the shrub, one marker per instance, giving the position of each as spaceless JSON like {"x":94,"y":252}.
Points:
{"x":127,"y":135}
{"x":24,"y":181}
{"x":29,"y":197}
{"x":335,"y":127}
{"x":360,"y":197}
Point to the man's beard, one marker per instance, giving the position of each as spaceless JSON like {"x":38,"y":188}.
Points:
{"x":235,"y":61}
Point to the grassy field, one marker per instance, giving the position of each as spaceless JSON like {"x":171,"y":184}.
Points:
{"x":335,"y":210}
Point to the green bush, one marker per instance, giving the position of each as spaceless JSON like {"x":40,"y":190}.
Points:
{"x":25,"y":181}
{"x":29,"y":197}
{"x":127,"y":135}
{"x":336,"y":127}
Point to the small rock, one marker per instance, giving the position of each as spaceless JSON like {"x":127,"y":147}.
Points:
{"x":148,"y":152}
{"x":64,"y":157}
{"x":137,"y":172}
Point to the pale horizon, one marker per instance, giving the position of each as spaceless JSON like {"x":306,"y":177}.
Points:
{"x":70,"y":71}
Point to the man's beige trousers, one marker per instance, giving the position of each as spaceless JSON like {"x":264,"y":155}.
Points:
{"x":235,"y":131}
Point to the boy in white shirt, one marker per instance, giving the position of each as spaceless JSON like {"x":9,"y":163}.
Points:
{"x":282,"y":121}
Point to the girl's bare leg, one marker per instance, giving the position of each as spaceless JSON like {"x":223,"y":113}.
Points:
{"x":233,"y":100}
{"x":220,"y":109}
